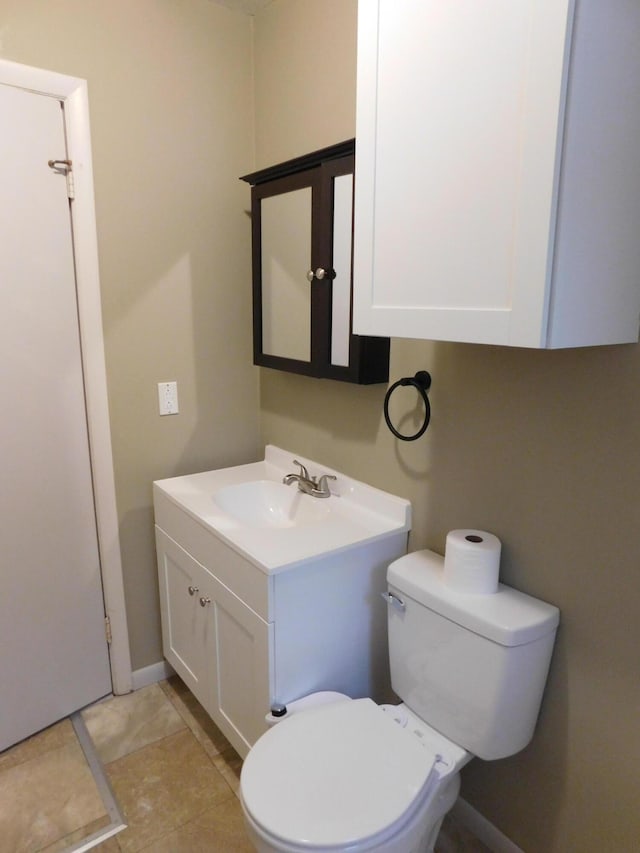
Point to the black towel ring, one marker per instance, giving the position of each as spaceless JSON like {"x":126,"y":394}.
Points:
{"x":421,"y":382}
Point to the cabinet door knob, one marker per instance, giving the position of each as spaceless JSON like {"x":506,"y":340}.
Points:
{"x":193,"y":590}
{"x":204,"y":601}
{"x":320,"y":274}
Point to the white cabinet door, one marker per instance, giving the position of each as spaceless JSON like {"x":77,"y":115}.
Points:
{"x":186,"y":628}
{"x":242,"y":669}
{"x":468,"y":114}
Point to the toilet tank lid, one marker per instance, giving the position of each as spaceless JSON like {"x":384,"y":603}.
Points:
{"x":508,"y":617}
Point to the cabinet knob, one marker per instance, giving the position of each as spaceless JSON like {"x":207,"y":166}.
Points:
{"x":320,"y":274}
{"x":204,"y":601}
{"x":193,"y":590}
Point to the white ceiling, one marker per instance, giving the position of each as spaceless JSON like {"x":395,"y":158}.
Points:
{"x":249,"y":7}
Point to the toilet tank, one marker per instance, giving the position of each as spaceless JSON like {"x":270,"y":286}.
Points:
{"x":472,"y":666}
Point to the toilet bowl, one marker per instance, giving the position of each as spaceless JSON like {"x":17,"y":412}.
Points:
{"x":353,"y":776}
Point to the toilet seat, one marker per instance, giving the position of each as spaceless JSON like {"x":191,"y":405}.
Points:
{"x":341,"y":775}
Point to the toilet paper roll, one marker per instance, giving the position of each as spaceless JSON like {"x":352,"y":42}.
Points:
{"x":472,"y":561}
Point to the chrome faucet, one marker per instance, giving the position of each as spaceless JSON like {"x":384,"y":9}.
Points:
{"x":309,"y":485}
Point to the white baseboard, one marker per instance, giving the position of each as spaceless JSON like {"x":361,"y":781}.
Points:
{"x":497,"y":841}
{"x":150,"y":674}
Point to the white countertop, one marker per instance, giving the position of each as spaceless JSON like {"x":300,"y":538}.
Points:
{"x":356,"y":513}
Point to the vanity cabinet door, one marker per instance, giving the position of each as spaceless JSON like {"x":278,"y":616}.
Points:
{"x":186,"y":629}
{"x":302,"y":238}
{"x":497,"y":188}
{"x":239,"y":651}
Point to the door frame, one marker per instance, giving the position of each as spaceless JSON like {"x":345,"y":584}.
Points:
{"x":72,"y":91}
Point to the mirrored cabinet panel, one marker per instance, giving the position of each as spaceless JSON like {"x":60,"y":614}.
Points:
{"x":285,"y":249}
{"x":302,"y":237}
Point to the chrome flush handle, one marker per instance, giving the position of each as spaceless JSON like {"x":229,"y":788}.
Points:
{"x":394,"y":601}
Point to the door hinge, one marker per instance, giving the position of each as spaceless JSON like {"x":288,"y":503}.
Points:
{"x":71,"y":187}
{"x":107,"y":630}
{"x":65,"y":167}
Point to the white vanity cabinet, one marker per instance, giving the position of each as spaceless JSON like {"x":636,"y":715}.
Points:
{"x":218,"y":645}
{"x":257,"y":615}
{"x":497,"y":178}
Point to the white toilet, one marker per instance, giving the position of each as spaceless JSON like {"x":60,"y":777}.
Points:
{"x":355,"y":776}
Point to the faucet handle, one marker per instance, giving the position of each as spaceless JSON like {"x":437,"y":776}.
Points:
{"x":303,"y":471}
{"x":323,"y":486}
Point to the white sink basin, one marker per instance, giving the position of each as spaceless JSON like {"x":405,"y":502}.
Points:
{"x":265,"y":503}
{"x":275,"y":526}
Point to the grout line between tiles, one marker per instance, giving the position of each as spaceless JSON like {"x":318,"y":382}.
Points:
{"x":104,"y":789}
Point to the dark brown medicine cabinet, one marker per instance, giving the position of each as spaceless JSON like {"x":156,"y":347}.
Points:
{"x":302,"y":239}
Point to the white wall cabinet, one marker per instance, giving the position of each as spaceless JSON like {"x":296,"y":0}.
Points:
{"x":241,"y":639}
{"x":497,"y":174}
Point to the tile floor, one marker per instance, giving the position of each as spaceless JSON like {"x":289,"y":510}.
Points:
{"x":173,"y":773}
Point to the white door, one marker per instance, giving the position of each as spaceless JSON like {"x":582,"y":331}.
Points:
{"x":53,"y":650}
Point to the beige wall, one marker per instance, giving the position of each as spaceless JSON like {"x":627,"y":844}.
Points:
{"x":170,"y":91}
{"x":541,"y":448}
{"x":296,"y":108}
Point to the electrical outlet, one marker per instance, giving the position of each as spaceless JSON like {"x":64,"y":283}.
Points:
{"x":168,"y":398}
